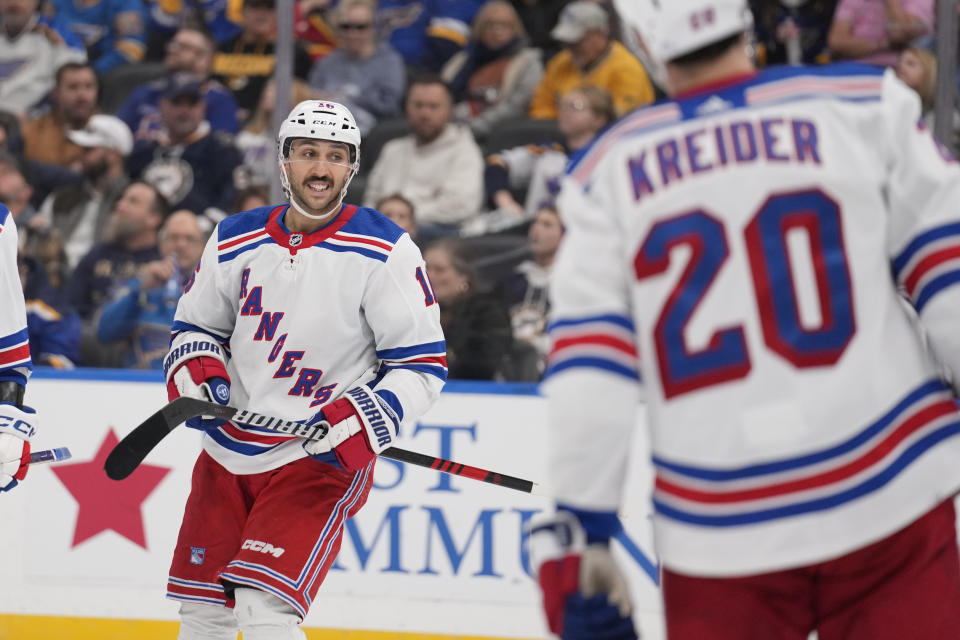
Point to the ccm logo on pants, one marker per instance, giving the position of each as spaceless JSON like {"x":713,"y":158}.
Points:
{"x":262,"y":547}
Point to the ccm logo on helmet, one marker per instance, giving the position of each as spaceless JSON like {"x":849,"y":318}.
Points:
{"x":262,"y":547}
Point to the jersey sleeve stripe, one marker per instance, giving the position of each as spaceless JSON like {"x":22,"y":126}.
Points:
{"x":433,"y":370}
{"x":179,"y":327}
{"x":345,"y":237}
{"x":14,"y":339}
{"x":605,"y":342}
{"x":929,"y":264}
{"x":351,"y":248}
{"x":402,"y":353}
{"x":241,"y":239}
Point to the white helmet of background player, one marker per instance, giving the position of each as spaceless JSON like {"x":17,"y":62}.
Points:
{"x":319,"y":120}
{"x":669,"y":29}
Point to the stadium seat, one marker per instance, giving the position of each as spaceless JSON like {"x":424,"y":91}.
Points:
{"x":514,"y":133}
{"x":372,"y":143}
{"x":118,"y":83}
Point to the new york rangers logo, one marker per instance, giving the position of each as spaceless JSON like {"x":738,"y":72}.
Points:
{"x":296,"y":239}
{"x":196,"y":555}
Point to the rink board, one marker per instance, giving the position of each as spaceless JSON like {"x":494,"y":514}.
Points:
{"x":429,"y":556}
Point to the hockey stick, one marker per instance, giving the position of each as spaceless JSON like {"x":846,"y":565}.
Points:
{"x":131,"y":451}
{"x":50,"y":455}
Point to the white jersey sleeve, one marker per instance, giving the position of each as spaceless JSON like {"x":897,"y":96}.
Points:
{"x":400,"y":308}
{"x":923,"y":192}
{"x":592,"y":375}
{"x":15,"y":363}
{"x":205,"y":310}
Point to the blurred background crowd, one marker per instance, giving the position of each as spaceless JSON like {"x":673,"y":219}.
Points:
{"x":128,"y":128}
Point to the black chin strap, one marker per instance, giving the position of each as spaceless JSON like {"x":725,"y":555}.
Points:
{"x":11,"y":392}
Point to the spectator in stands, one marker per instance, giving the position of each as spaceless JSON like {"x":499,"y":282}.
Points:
{"x":438,"y":166}
{"x":45,"y":245}
{"x":525,"y":294}
{"x":74,"y":101}
{"x":53,"y":326}
{"x":590,"y":57}
{"x":32,"y":48}
{"x":15,"y":191}
{"x":250,"y":198}
{"x":539,"y":17}
{"x":475,"y":325}
{"x":190,"y":51}
{"x":311,"y":26}
{"x":917,"y":68}
{"x":132,"y":243}
{"x":365,"y":75}
{"x":111,"y":30}
{"x":142,"y":311}
{"x":245,"y":63}
{"x":192,"y":166}
{"x":219,"y":18}
{"x":788,"y":32}
{"x":258,"y":143}
{"x":426,"y":34}
{"x":875,"y":31}
{"x":493,"y":79}
{"x":583,"y":112}
{"x":80,"y":211}
{"x":400,"y":211}
{"x":43,"y":178}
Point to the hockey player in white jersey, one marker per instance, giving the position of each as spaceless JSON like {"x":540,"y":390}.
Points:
{"x":312,"y":310}
{"x":740,"y":253}
{"x":17,"y":422}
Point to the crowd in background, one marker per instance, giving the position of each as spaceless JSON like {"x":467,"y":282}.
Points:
{"x":128,"y":128}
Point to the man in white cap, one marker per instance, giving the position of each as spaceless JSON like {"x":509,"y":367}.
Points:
{"x":80,"y":211}
{"x":748,"y":250}
{"x":590,"y":57}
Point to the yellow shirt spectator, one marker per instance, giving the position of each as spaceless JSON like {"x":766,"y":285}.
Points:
{"x":618,"y":72}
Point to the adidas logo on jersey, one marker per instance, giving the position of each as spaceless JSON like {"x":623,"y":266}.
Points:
{"x":714,"y":105}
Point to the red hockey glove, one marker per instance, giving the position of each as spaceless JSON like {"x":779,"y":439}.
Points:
{"x":360,"y":427}
{"x":198,"y":376}
{"x":585,"y":595}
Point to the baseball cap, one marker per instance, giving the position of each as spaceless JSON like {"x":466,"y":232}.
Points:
{"x":104,"y":131}
{"x":576,"y":19}
{"x":182,"y":85}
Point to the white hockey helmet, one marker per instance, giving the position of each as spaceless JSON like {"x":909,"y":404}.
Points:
{"x":318,"y":120}
{"x":670,"y":29}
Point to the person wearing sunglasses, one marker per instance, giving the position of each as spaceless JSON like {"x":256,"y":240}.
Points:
{"x":365,"y":75}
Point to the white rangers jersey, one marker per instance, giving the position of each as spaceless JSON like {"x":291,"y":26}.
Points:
{"x":751,"y":252}
{"x":307,"y":317}
{"x":15,"y":361}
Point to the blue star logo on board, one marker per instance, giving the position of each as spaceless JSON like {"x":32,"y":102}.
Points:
{"x":196,"y":555}
{"x":296,"y":239}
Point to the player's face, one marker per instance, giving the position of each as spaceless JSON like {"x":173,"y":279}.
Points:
{"x":317,"y":171}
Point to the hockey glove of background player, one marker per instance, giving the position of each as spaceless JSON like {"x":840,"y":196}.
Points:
{"x":195,"y":369}
{"x":585,"y":596}
{"x":361,"y":426}
{"x":17,"y":426}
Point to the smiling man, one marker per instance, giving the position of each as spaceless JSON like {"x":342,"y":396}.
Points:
{"x":329,"y":317}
